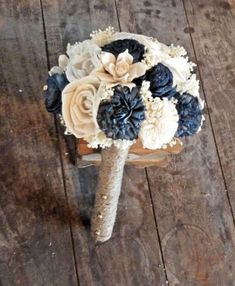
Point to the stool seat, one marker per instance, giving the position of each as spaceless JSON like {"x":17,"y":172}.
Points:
{"x":137,"y":156}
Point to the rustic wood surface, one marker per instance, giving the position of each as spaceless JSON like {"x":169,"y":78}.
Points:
{"x":175,"y":226}
{"x":216,"y":58}
{"x":69,"y":22}
{"x":35,"y":241}
{"x":190,"y":199}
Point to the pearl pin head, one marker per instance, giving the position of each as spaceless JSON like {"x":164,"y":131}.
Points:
{"x":100,"y":216}
{"x":97,"y":232}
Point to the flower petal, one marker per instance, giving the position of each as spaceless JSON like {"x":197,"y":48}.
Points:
{"x":63,"y":61}
{"x":137,"y":70}
{"x":125,"y":56}
{"x":103,"y":76}
{"x":107,"y":58}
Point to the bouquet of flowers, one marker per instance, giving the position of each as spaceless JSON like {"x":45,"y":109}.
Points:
{"x":116,"y":88}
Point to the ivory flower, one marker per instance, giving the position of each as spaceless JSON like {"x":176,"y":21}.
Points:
{"x":83,"y":59}
{"x":180,"y":67}
{"x":160,"y":125}
{"x":102,"y":38}
{"x":62,"y":63}
{"x":191,"y":86}
{"x":177,"y":51}
{"x":120,"y":70}
{"x":79,"y":106}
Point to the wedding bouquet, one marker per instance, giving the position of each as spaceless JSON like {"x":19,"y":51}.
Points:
{"x":118,"y":87}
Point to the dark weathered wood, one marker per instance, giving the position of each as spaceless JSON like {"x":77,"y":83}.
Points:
{"x":193,"y":214}
{"x":214,"y":44}
{"x":35,"y":241}
{"x":132,"y":256}
{"x":190,"y":202}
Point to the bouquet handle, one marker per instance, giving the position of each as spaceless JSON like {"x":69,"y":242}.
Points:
{"x":108,"y":192}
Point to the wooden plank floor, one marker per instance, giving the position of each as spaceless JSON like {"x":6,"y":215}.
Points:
{"x":175,"y":226}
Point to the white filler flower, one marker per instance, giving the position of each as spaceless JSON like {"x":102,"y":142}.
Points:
{"x":160,"y":125}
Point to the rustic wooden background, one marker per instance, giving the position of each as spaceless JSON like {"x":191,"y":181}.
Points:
{"x":175,"y":226}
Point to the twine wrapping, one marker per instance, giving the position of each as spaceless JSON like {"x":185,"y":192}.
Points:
{"x":108,"y":192}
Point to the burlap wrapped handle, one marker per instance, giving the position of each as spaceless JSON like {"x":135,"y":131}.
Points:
{"x":108,"y":192}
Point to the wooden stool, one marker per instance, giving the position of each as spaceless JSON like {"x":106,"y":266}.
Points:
{"x":138,"y":156}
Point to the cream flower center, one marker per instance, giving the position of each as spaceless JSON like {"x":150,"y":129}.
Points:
{"x":121,"y":68}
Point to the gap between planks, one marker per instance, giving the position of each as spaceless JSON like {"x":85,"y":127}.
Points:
{"x":209,"y":115}
{"x":156,"y":225}
{"x":60,"y":151}
{"x":149,"y":189}
{"x":117,"y":14}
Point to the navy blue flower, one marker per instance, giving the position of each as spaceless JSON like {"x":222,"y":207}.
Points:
{"x":55,"y":85}
{"x":122,"y":115}
{"x":161,"y":81}
{"x":190,"y":114}
{"x":134,"y":48}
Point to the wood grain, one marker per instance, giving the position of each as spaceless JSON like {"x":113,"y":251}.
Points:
{"x":137,"y":156}
{"x":192,"y":210}
{"x":35,"y":242}
{"x":46,"y":203}
{"x":214,"y":44}
{"x":132,"y":256}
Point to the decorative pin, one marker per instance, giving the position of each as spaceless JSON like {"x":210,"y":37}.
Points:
{"x":97,"y":232}
{"x":45,"y":88}
{"x":100,"y":216}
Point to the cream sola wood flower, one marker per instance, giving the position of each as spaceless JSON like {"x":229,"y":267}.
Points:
{"x":62,"y":63}
{"x":160,"y":125}
{"x":81,"y":61}
{"x":80,"y":101}
{"x":120,"y":70}
{"x":174,"y":57}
